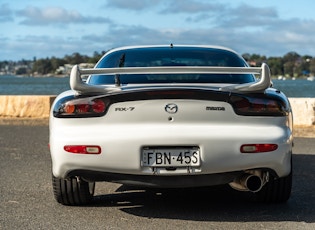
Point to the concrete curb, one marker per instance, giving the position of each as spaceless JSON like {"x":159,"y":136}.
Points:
{"x":25,"y":106}
{"x":303,"y":111}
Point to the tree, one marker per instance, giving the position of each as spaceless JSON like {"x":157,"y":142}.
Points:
{"x":42,"y":66}
{"x":96,"y":57}
{"x":291,"y":60}
{"x":56,"y":62}
{"x":276,"y":65}
{"x":21,"y":71}
{"x":312,"y":66}
{"x":305,"y":65}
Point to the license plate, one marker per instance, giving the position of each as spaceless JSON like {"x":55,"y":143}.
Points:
{"x":170,"y":157}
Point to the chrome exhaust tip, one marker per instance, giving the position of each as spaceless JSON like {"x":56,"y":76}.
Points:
{"x":248,"y":182}
{"x":253,"y":183}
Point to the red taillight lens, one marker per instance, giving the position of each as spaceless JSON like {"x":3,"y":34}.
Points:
{"x":98,"y":106}
{"x":272,"y":106}
{"x":81,"y":107}
{"x":258,"y":148}
{"x":258,"y":105}
{"x":250,"y":106}
{"x":242,"y":105}
{"x":83,"y":149}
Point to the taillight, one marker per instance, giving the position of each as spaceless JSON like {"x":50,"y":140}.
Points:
{"x":258,"y":148}
{"x":259,"y":105}
{"x":98,"y":106}
{"x":83,"y":149}
{"x":81,"y":107}
{"x":252,"y":106}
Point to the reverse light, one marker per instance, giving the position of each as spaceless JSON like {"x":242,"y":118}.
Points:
{"x":83,"y":149}
{"x":258,"y":148}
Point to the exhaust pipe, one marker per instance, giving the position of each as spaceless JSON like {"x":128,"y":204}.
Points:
{"x":248,"y":182}
{"x":252,"y":182}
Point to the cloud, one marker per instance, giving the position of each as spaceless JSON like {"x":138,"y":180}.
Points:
{"x":6,"y":14}
{"x":141,"y":35}
{"x":192,"y":7}
{"x":42,"y":46}
{"x":135,"y":5}
{"x":266,"y":42}
{"x":247,"y":16}
{"x":128,"y":35}
{"x":56,"y":15}
{"x":222,"y":15}
{"x":269,"y":41}
{"x":245,"y":28}
{"x":166,"y":6}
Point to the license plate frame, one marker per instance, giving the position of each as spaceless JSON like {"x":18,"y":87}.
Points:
{"x":170,"y":157}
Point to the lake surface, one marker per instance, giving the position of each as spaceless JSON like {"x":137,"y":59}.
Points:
{"x":15,"y":85}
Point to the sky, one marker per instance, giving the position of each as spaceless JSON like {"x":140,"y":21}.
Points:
{"x":55,"y":28}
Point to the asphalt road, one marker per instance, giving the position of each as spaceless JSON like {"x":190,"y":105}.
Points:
{"x":27,"y":201}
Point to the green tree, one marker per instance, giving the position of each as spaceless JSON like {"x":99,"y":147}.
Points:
{"x":56,"y":62}
{"x":21,"y":71}
{"x":304,"y":68}
{"x":42,"y":66}
{"x":96,"y":57}
{"x":291,"y":60}
{"x":276,"y":65}
{"x":76,"y":58}
{"x":312,"y":66}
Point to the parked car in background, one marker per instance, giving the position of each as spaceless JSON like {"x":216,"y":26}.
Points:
{"x":172,"y":116}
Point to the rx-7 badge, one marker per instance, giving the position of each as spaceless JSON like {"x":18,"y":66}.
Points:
{"x":171,"y":108}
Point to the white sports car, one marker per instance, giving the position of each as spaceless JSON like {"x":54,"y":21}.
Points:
{"x":171,"y":117}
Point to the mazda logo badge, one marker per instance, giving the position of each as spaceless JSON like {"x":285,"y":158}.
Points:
{"x":171,"y":108}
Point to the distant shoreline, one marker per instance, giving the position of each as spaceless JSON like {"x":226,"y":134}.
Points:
{"x":37,"y":76}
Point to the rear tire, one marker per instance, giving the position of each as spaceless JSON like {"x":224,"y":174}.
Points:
{"x":72,"y":191}
{"x":275,"y":191}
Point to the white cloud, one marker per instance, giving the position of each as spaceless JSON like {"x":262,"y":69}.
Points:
{"x":247,"y":16}
{"x":192,"y":7}
{"x":247,"y":28}
{"x":136,"y":5}
{"x":56,"y":15}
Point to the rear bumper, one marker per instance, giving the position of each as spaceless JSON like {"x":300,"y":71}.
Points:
{"x":122,"y":144}
{"x":182,"y":181}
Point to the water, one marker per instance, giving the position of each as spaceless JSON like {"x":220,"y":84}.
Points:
{"x":296,"y":88}
{"x":12,"y":85}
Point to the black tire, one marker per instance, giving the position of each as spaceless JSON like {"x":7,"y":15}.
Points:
{"x":275,"y":191}
{"x":73,"y":191}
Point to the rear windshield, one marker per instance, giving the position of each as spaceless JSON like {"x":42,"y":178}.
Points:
{"x":167,"y":56}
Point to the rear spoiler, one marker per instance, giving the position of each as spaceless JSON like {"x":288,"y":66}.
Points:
{"x":81,"y":87}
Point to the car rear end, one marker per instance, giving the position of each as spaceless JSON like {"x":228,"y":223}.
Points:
{"x":171,"y":132}
{"x":171,"y":126}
